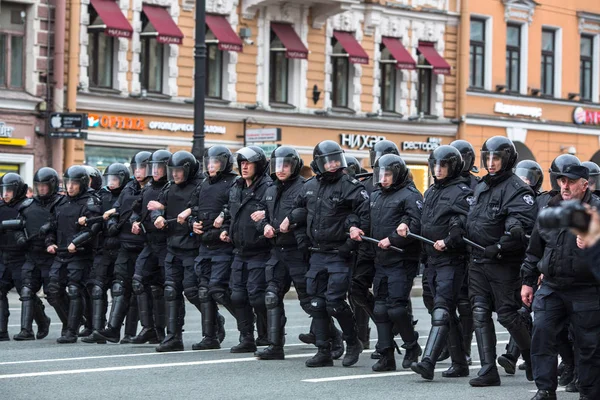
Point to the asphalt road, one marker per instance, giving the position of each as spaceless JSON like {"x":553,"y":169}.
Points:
{"x":45,"y":369}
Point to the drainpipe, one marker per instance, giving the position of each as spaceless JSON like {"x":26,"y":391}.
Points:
{"x":72,"y":74}
{"x":463,"y":67}
{"x":59,"y":78}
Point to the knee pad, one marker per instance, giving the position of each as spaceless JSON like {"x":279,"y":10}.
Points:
{"x":191,"y":294}
{"x":271,"y":300}
{"x":239,"y":298}
{"x":257,"y":300}
{"x":358,"y":298}
{"x":204,"y":294}
{"x":481,"y":314}
{"x":170,"y":293}
{"x":118,"y":289}
{"x":138,"y":287}
{"x":157,"y":291}
{"x":305,"y":304}
{"x":399,"y":314}
{"x":26,"y":293}
{"x":464,"y":308}
{"x":318,"y":307}
{"x":74,"y":292}
{"x":54,"y":291}
{"x":380,"y":312}
{"x":221,"y":298}
{"x":97,"y":292}
{"x":338,"y":308}
{"x":509,"y":320}
{"x":440,"y":317}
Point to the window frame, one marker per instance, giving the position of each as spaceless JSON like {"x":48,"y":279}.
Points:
{"x":477,"y":44}
{"x":424,"y":71}
{"x":548,"y":58}
{"x":274,"y":70}
{"x":219,"y":71}
{"x":590,"y":61}
{"x":511,"y":51}
{"x":385,"y":63}
{"x":145,"y":42}
{"x":93,"y":74}
{"x":9,"y":34}
{"x":334,"y":68}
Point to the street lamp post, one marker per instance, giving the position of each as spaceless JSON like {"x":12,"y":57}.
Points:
{"x":199,"y":79}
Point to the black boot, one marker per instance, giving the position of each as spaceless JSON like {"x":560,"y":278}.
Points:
{"x":435,"y":344}
{"x":486,"y":344}
{"x":158,"y":309}
{"x":99,"y":307}
{"x":387,"y":362}
{"x":119,"y":309}
{"x":568,"y":373}
{"x":353,"y":350}
{"x":75,"y":314}
{"x":508,"y":361}
{"x":131,"y":321}
{"x":262,"y":329}
{"x":362,"y":326}
{"x":4,"y":313}
{"x":276,"y":323}
{"x":172,"y":342}
{"x":321,"y":359}
{"x":573,"y":386}
{"x":27,"y":311}
{"x":308,"y":338}
{"x":459,"y":367}
{"x":42,"y":320}
{"x":220,"y":327}
{"x":413,"y":351}
{"x":60,"y":303}
{"x":528,"y":366}
{"x":88,"y":315}
{"x":544,"y":395}
{"x":208,"y":310}
{"x":244,"y":318}
{"x":246,"y":345}
{"x":148,"y":333}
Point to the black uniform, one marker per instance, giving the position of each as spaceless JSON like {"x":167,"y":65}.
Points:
{"x":72,"y":269}
{"x":569,"y":293}
{"x":251,"y":253}
{"x":213,"y":264}
{"x":502,"y":203}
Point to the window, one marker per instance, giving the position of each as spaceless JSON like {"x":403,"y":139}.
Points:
{"x":388,"y":80}
{"x":100,"y":53}
{"x":12,"y":42}
{"x":152,"y":59}
{"x":586,"y":62}
{"x":340,"y":76}
{"x":278,"y":71}
{"x":425,"y":72}
{"x":548,"y":60}
{"x":513,"y":58}
{"x":214,"y":67}
{"x":477,"y":54}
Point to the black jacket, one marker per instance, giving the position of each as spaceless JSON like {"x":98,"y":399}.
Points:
{"x":390,"y":208}
{"x":176,"y":198}
{"x":207,"y":202}
{"x":150,"y":192}
{"x":330,"y":208}
{"x":445,"y":210}
{"x":36,"y":212}
{"x":500,"y":204}
{"x":555,"y":254}
{"x":278,"y":203}
{"x":64,"y":227}
{"x":107,"y":202}
{"x":243,"y":202}
{"x":121,"y":225}
{"x":12,"y":250}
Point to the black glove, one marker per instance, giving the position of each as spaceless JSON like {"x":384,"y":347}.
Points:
{"x":21,"y":241}
{"x":303,"y":248}
{"x":492,"y":252}
{"x":518,"y":234}
{"x":211,"y":236}
{"x":346,"y":251}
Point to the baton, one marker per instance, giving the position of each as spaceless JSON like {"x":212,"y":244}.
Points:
{"x":66,"y":249}
{"x":363,"y":175}
{"x":473,"y":244}
{"x":375,"y":241}
{"x":421,"y":238}
{"x":277,"y":231}
{"x":318,"y":250}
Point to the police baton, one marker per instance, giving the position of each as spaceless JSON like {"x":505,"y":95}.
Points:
{"x":375,"y":241}
{"x":318,"y":250}
{"x":421,"y":238}
{"x":278,"y":231}
{"x":473,"y":244}
{"x":66,"y":249}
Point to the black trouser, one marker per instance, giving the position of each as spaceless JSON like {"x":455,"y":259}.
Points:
{"x":35,"y":274}
{"x":360,"y":296}
{"x":101,"y":277}
{"x":248,"y":284}
{"x":553,"y":310}
{"x":180,"y":275}
{"x":124,"y":304}
{"x":148,"y":284}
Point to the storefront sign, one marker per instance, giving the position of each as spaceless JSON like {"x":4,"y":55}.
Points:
{"x":512,"y":110}
{"x":359,"y":142}
{"x":586,"y":117}
{"x":68,"y":121}
{"x":4,"y":141}
{"x":430,"y":145}
{"x":115,"y":122}
{"x":179,"y":127}
{"x":263,"y":135}
{"x":5,"y":130}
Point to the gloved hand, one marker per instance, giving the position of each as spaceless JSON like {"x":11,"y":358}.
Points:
{"x":211,"y":236}
{"x":303,"y":248}
{"x":21,"y":241}
{"x":491,"y":252}
{"x":346,"y":251}
{"x":518,"y":234}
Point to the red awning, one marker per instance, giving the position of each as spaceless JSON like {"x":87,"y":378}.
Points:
{"x":112,"y":17}
{"x":166,"y":29}
{"x":355,"y":51}
{"x":399,"y":52}
{"x":228,"y":40}
{"x":440,"y":66}
{"x":288,"y":36}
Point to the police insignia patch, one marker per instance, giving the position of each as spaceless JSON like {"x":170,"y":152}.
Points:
{"x":470,"y":200}
{"x":420,"y":205}
{"x":364,"y":194}
{"x":528,"y":199}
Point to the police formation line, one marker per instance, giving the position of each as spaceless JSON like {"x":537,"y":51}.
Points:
{"x":177,"y":228}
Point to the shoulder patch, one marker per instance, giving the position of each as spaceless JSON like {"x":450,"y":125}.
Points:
{"x":465,"y":188}
{"x":27,"y":203}
{"x":355,"y":181}
{"x":91,"y":202}
{"x":419,"y":205}
{"x":470,"y":200}
{"x":529,"y":199}
{"x":364,"y":194}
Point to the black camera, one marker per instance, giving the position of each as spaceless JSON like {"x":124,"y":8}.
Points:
{"x":570,"y":214}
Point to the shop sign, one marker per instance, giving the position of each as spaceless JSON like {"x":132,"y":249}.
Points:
{"x":586,"y":117}
{"x":116,"y":122}
{"x":5,"y":130}
{"x":268,"y":148}
{"x":359,"y":142}
{"x":263,"y":135}
{"x":4,"y":141}
{"x":180,"y":127}
{"x":68,"y":121}
{"x":430,"y":145}
{"x":513,"y":110}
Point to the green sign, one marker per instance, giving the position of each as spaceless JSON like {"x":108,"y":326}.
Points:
{"x":268,"y":148}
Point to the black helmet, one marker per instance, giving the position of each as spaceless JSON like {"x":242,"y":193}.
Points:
{"x":78,"y":174}
{"x":160,"y":158}
{"x":531,"y":173}
{"x":286,"y":155}
{"x":116,"y":176}
{"x":446,"y":156}
{"x":382,"y":147}
{"x":139,"y":162}
{"x":390,"y":163}
{"x":353,"y":166}
{"x":13,"y":183}
{"x":569,"y":166}
{"x":253,"y":154}
{"x":218,"y":157}
{"x":46,"y":176}
{"x":185,"y":161}
{"x":594,"y":174}
{"x":502,"y":147}
{"x":328,"y":151}
{"x":468,"y":155}
{"x":95,"y":177}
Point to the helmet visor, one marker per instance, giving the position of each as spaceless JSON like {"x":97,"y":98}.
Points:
{"x":385,"y":176}
{"x":530,"y":176}
{"x":138,"y":170}
{"x":215,"y":164}
{"x":441,"y":169}
{"x":43,"y":189}
{"x":8,"y":191}
{"x":494,"y":161}
{"x":112,"y":181}
{"x":247,"y":154}
{"x":331,"y":162}
{"x":156,"y":169}
{"x":178,"y":174}
{"x":283,"y":165}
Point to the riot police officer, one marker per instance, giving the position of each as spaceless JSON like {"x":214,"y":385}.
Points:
{"x":73,"y":245}
{"x":568,"y":293}
{"x":115,"y":177}
{"x":333,"y":206}
{"x":251,"y":251}
{"x":182,"y":248}
{"x":500,"y":215}
{"x":96,"y":180}
{"x":149,"y":276}
{"x":34,"y":213}
{"x":443,"y":221}
{"x":14,"y":194}
{"x":593,"y":180}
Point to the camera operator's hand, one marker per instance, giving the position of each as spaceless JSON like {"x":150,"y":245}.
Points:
{"x":527,"y":295}
{"x":591,"y":237}
{"x":580,"y":242}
